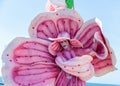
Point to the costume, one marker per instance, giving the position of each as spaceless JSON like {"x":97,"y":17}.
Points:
{"x":39,"y":60}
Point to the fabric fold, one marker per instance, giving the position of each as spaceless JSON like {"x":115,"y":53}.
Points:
{"x":77,"y":66}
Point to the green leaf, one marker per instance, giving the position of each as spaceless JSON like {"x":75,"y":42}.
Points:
{"x":69,"y":3}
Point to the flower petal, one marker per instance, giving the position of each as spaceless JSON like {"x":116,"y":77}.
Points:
{"x":99,"y":47}
{"x":49,"y":25}
{"x":28,"y":63}
{"x":92,"y":38}
{"x":78,"y":66}
{"x":65,"y":79}
{"x":86,"y":34}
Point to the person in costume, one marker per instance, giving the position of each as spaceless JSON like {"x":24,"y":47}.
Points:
{"x":75,"y":51}
{"x":79,"y":66}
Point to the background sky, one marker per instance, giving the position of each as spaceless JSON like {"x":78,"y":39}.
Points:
{"x":16,"y":15}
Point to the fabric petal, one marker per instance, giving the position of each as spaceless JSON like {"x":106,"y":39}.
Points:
{"x":86,"y":34}
{"x":76,"y":43}
{"x":106,"y":65}
{"x":49,"y":25}
{"x":65,"y":79}
{"x":99,"y":47}
{"x":78,"y":66}
{"x":96,"y":45}
{"x":28,"y":63}
{"x":54,"y":48}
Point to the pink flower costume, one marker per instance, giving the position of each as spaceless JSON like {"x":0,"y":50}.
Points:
{"x":41,"y":61}
{"x":79,"y":66}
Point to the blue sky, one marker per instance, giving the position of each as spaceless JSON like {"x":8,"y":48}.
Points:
{"x":16,"y":15}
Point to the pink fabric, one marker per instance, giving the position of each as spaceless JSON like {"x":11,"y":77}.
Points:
{"x":65,"y":79}
{"x":103,"y":56}
{"x":54,"y":48}
{"x":53,"y":5}
{"x":77,"y":66}
{"x":28,"y":62}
